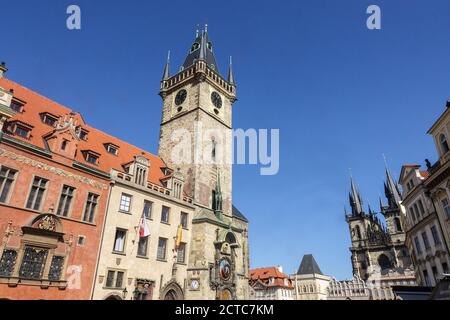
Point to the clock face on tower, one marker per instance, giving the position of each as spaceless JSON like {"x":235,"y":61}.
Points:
{"x":180,"y":97}
{"x":216,"y":100}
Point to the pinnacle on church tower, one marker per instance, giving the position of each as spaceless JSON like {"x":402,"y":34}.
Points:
{"x":391,"y":190}
{"x":355,"y":200}
{"x":230,"y":72}
{"x":166,"y":74}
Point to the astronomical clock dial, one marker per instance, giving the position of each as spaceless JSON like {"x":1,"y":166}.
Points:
{"x":180,"y":97}
{"x":225,"y":269}
{"x":216,"y":100}
{"x":195,"y":284}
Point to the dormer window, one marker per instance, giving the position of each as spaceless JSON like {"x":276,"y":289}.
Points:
{"x":49,"y":119}
{"x":21,"y":129}
{"x":444,"y":144}
{"x":112,"y":149}
{"x":195,"y":46}
{"x":83,"y":134}
{"x":17,"y":105}
{"x":209,"y":46}
{"x":91,"y":156}
{"x":64,"y":144}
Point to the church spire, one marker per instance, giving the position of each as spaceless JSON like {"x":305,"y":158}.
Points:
{"x":355,"y":200}
{"x":166,"y":74}
{"x":391,"y":190}
{"x":230,"y":72}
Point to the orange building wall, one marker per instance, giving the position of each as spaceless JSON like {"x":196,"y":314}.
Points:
{"x":84,"y":256}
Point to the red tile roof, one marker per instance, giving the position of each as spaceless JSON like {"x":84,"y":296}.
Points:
{"x":425,"y":174}
{"x":263,"y":276}
{"x":37,"y":104}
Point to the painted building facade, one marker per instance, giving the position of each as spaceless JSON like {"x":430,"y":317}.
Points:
{"x":52,"y":202}
{"x":271,"y":284}
{"x":424,"y":233}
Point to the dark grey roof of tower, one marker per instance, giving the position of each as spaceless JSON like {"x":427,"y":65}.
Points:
{"x":392,"y":189}
{"x":355,"y":200}
{"x":204,"y":52}
{"x":309,"y":265}
{"x":236,"y":213}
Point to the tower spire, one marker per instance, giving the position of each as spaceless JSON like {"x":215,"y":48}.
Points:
{"x":230,"y":72}
{"x":355,"y":200}
{"x":166,"y":74}
{"x":391,"y":188}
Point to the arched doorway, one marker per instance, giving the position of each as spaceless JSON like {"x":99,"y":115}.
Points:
{"x":172,"y":291}
{"x":113,"y":297}
{"x":225,"y":294}
{"x":171,"y":295}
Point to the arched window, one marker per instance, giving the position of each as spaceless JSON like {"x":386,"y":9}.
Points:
{"x":358,"y":232}
{"x":444,"y":144}
{"x":398,"y":225}
{"x":384,"y":262}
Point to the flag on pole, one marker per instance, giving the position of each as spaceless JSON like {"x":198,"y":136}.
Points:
{"x":144,"y":230}
{"x":179,"y":236}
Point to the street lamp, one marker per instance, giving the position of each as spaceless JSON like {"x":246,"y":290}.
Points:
{"x":124,"y":293}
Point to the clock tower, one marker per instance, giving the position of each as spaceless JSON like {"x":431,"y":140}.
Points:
{"x":196,"y":142}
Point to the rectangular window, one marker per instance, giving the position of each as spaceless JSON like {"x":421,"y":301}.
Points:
{"x":33,"y":263}
{"x":7,"y":263}
{"x":91,"y":158}
{"x":181,"y":253}
{"x":418,"y":247}
{"x":114,"y":279}
{"x":119,"y":279}
{"x":49,"y":119}
{"x":436,"y":238}
{"x":426,"y":243}
{"x":445,"y":267}
{"x":91,"y":206}
{"x":16,"y":106}
{"x":184,"y":220}
{"x":426,"y":278}
{"x":37,"y":193}
{"x":148,"y":206}
{"x":22,"y":132}
{"x":56,"y":268}
{"x":446,"y":207}
{"x":125,"y":203}
{"x":435,"y":274}
{"x":165,"y":212}
{"x":421,"y":207}
{"x":119,"y":240}
{"x":110,"y":279}
{"x":112,"y":149}
{"x":142,"y":247}
{"x":65,"y":201}
{"x":7,"y":177}
{"x":162,"y":246}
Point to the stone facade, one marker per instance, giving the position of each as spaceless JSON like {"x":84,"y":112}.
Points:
{"x":146,"y":276}
{"x":379,"y":252}
{"x":197,"y":112}
{"x":425,"y":237}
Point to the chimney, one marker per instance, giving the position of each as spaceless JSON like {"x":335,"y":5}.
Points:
{"x":3,"y":69}
{"x":280,"y":269}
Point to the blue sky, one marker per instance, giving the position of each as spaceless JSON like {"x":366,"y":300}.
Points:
{"x":340,"y":94}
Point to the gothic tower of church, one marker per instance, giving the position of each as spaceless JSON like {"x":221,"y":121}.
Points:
{"x":195,"y":140}
{"x":379,"y":252}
